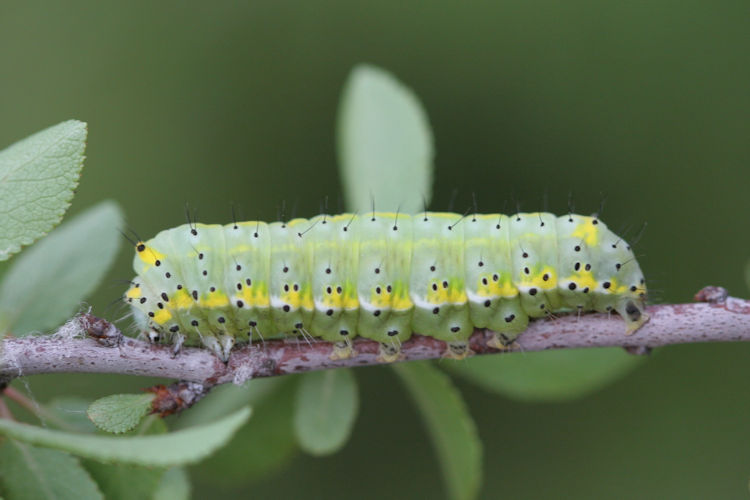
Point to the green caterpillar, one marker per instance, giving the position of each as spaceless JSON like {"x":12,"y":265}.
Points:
{"x":380,"y":276}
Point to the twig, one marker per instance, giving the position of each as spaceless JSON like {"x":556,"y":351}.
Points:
{"x":723,"y":319}
{"x":5,"y":411}
{"x":40,"y":411}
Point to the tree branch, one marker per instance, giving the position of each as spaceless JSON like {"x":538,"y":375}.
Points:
{"x":718,"y":319}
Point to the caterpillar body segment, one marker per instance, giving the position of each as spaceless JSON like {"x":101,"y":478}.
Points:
{"x":382,"y":276}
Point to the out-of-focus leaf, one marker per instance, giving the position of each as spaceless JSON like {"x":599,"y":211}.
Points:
{"x":125,"y":482}
{"x":70,"y":412}
{"x":547,"y":375}
{"x":47,"y":283}
{"x":40,"y":473}
{"x":451,"y":428}
{"x":384,"y":144}
{"x":326,"y":408}
{"x":37,"y":178}
{"x":174,"y":485}
{"x":177,"y":448}
{"x":150,"y":426}
{"x":260,"y":447}
{"x":227,"y":398}
{"x":747,"y":274}
{"x":120,"y":412}
{"x":67,"y":413}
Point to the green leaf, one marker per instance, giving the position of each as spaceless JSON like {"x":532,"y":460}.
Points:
{"x":747,"y":274}
{"x":47,"y":283}
{"x":261,"y":447}
{"x":326,"y":408}
{"x":37,"y":178}
{"x":227,"y":398}
{"x":451,"y":427}
{"x":125,"y":482}
{"x":174,"y":485}
{"x":120,"y":412}
{"x":177,"y":448}
{"x":547,"y":375}
{"x":41,"y":473}
{"x":70,"y":414}
{"x":384,"y":144}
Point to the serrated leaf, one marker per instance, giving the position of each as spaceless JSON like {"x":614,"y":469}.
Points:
{"x":260,"y":447}
{"x":125,"y":482}
{"x":120,"y":412}
{"x":384,"y":144}
{"x":41,"y":473}
{"x":451,"y":428}
{"x":48,"y":282}
{"x":174,"y":485}
{"x":325,"y":411}
{"x":547,"y":375}
{"x":164,"y":450}
{"x":37,"y":178}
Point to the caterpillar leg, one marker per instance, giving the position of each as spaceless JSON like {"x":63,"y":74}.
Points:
{"x":227,"y":342}
{"x":342,"y":350}
{"x":220,"y":346}
{"x":153,"y":336}
{"x":389,"y":353}
{"x":458,"y":349}
{"x":178,"y":339}
{"x":503,"y":342}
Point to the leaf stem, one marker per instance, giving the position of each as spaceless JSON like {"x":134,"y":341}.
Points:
{"x":5,"y":411}
{"x":39,"y":411}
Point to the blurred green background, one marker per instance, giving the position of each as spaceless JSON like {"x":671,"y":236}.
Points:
{"x":645,"y":103}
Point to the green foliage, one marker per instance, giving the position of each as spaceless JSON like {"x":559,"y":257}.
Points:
{"x":37,"y":178}
{"x":174,"y":485}
{"x":177,"y":448}
{"x":385,"y":150}
{"x":452,"y":429}
{"x":45,"y":284}
{"x":40,"y":473}
{"x":327,"y":403}
{"x":384,"y":144}
{"x":69,"y":413}
{"x":120,"y":412}
{"x":547,"y":375}
{"x":228,"y":398}
{"x":261,"y":447}
{"x":125,"y":482}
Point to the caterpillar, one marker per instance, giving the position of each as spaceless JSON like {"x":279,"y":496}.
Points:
{"x":380,"y":276}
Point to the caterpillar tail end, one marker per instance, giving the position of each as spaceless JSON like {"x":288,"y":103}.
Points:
{"x":634,"y":313}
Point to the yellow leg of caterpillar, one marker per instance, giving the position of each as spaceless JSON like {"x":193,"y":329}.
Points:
{"x":501,"y":342}
{"x":342,"y":350}
{"x":388,"y":353}
{"x":457,"y":350}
